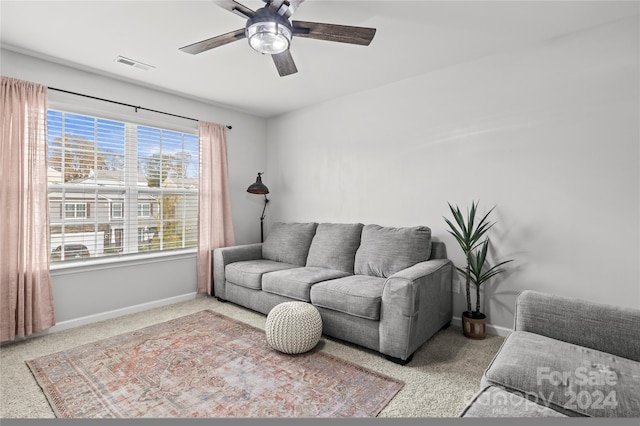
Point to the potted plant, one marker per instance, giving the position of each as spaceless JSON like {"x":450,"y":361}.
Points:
{"x":469,"y":233}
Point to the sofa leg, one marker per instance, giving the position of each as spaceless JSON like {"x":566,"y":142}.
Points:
{"x":220,"y":299}
{"x":398,"y":360}
{"x":444,"y":327}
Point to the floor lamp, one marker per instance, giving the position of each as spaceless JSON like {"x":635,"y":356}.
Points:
{"x":261,"y":189}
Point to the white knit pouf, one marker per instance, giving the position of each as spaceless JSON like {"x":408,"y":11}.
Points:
{"x":293,"y":327}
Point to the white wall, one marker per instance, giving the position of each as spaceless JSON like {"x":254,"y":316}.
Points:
{"x":96,"y":292}
{"x":548,"y":133}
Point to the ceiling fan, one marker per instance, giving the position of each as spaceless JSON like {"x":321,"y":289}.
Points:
{"x":270,"y":31}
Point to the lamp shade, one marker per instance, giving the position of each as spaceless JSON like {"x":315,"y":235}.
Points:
{"x":258,"y":187}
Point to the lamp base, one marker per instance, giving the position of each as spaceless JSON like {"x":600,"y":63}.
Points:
{"x":266,"y":200}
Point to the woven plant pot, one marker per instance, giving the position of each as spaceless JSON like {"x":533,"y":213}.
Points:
{"x":474,"y":326}
{"x":293,"y":327}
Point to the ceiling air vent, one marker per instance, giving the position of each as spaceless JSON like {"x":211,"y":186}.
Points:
{"x":135,"y":64}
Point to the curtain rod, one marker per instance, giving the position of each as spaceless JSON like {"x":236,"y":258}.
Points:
{"x":127,"y":105}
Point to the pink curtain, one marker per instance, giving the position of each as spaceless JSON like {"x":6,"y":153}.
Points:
{"x":26,"y":304}
{"x":215,"y":228}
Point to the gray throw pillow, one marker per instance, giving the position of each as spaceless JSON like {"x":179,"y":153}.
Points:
{"x":334,"y":246}
{"x":289,"y":242}
{"x":384,"y":251}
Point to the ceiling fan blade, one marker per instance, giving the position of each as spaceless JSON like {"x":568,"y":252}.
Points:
{"x":333,"y":32}
{"x":284,"y":63}
{"x":235,"y":7}
{"x":210,"y":43}
{"x":275,"y":5}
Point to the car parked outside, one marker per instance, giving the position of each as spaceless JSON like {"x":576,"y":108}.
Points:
{"x":71,"y":251}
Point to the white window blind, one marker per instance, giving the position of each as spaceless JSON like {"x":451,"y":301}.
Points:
{"x":119,"y":188}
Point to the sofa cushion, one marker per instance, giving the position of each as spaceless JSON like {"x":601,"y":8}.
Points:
{"x":334,"y":246}
{"x":496,"y":402}
{"x":358,"y":295}
{"x":249,"y":273}
{"x":289,"y":242}
{"x":571,"y":379}
{"x":384,"y":251}
{"x":296,"y":283}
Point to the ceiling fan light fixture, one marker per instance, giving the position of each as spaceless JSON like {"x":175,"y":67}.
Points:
{"x":268,"y":32}
{"x":269,"y":37}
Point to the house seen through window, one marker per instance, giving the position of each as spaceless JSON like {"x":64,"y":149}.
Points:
{"x":119,"y":188}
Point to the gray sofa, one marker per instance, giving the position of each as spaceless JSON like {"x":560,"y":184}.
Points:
{"x":566,"y":357}
{"x":387,"y":289}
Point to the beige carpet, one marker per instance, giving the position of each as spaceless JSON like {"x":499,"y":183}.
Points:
{"x":444,"y":374}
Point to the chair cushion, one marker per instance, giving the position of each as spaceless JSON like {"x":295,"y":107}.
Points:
{"x":571,"y":379}
{"x":296,"y":283}
{"x":496,"y":402}
{"x":334,"y":246}
{"x":384,"y":251}
{"x":289,"y":242}
{"x":358,"y":295}
{"x":249,"y":273}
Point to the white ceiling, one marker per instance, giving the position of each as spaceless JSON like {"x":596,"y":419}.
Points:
{"x":413,"y":37}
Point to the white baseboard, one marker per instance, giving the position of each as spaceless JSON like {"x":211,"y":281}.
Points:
{"x":496,"y":330}
{"x":76,"y":322}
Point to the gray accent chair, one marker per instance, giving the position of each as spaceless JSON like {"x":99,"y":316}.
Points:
{"x":566,"y":357}
{"x":383,"y":288}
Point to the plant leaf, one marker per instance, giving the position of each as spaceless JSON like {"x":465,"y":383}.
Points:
{"x":471,"y":216}
{"x":457,"y":215}
{"x":482,"y":227}
{"x":479,"y":279}
{"x":462,"y":271}
{"x":458,"y":236}
{"x":477,"y":261}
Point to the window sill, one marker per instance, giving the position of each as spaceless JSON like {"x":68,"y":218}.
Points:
{"x":111,"y":262}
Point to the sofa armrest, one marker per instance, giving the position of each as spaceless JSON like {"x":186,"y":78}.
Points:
{"x":416,"y":303}
{"x":226,"y":255}
{"x":606,"y":328}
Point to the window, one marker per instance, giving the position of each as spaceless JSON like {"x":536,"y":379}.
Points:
{"x":75,"y":210}
{"x":144,"y":209}
{"x":116,"y":211}
{"x":119,"y":188}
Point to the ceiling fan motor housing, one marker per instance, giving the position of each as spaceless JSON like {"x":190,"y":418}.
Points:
{"x":268,"y":32}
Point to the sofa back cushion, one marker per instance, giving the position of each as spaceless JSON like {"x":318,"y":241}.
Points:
{"x":334,"y":246}
{"x":384,"y":251}
{"x":289,"y":242}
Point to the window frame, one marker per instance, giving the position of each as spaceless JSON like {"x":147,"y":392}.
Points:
{"x":75,"y":210}
{"x":141,"y":210}
{"x":130,"y":231}
{"x":121,"y":208}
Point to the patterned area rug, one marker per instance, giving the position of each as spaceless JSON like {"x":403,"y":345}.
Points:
{"x":205,"y":365}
